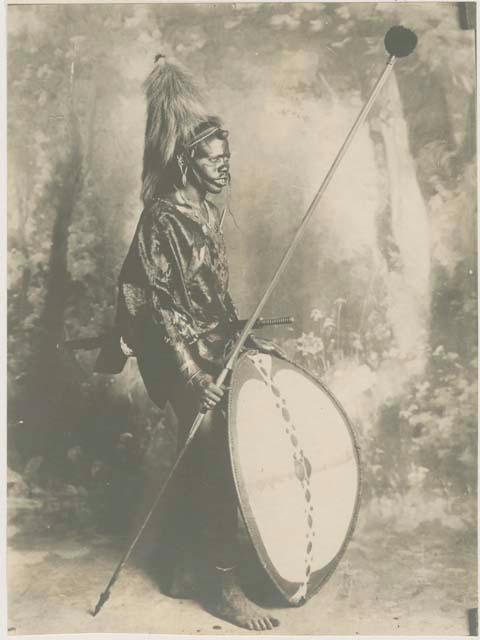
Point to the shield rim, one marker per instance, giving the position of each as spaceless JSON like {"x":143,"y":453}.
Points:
{"x":252,"y":530}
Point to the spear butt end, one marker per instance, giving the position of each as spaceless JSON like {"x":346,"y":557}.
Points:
{"x":101,"y":601}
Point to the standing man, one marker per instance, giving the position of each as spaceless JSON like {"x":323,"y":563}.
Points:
{"x":175,"y":313}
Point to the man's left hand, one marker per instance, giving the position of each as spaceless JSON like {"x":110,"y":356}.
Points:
{"x":264,"y":346}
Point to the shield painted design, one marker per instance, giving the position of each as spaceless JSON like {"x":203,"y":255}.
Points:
{"x":296,"y":469}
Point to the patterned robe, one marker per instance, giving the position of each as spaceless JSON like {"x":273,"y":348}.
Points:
{"x":173,"y":290}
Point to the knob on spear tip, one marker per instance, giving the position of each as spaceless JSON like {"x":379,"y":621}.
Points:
{"x":400,"y":42}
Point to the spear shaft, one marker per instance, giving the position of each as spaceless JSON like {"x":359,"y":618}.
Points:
{"x":106,"y":594}
{"x":306,"y":218}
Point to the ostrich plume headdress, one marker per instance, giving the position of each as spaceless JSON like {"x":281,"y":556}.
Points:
{"x":174,"y":110}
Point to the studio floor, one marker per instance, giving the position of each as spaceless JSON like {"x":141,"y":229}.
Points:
{"x":417,"y":582}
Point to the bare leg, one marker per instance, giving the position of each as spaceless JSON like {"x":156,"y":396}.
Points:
{"x":183,"y":582}
{"x":225,"y":598}
{"x":185,"y":539}
{"x":206,"y":519}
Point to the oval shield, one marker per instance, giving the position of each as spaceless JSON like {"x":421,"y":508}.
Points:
{"x":296,"y":468}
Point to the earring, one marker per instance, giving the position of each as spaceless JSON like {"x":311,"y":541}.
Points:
{"x":183,"y":170}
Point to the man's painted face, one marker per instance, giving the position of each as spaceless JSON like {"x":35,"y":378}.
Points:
{"x":211,"y":165}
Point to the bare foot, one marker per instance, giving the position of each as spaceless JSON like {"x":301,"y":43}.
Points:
{"x":230,"y":603}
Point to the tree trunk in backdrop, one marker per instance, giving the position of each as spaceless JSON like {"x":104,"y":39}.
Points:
{"x":49,"y":390}
{"x":408,"y":272}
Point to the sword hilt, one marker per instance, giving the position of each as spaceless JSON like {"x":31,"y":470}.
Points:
{"x":269,"y":322}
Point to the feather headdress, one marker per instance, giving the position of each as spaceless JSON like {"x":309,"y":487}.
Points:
{"x":174,"y":111}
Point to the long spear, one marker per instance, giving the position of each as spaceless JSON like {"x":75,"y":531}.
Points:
{"x":399,"y":43}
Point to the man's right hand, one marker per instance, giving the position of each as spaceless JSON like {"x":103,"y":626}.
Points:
{"x":210,"y":394}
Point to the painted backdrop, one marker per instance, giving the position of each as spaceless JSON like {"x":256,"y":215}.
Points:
{"x":383,"y":286}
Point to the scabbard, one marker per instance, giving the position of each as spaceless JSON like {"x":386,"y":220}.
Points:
{"x":100,"y":341}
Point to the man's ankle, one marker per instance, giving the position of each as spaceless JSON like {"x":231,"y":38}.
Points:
{"x":225,"y":569}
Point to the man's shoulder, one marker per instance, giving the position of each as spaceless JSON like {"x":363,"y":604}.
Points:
{"x":159,"y":208}
{"x":159,"y":213}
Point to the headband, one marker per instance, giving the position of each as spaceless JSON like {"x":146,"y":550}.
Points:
{"x":204,"y":135}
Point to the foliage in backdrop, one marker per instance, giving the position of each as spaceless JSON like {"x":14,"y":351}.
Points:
{"x":383,"y":287}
